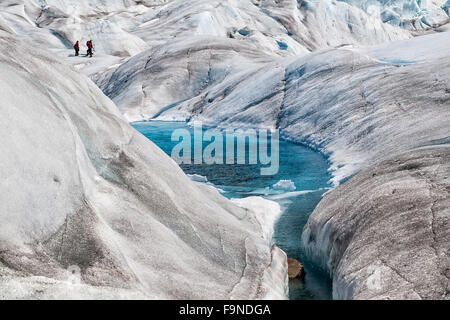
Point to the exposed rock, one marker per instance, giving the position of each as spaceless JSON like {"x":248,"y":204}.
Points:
{"x":295,"y":269}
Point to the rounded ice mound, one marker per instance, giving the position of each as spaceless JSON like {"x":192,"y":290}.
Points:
{"x":285,"y":185}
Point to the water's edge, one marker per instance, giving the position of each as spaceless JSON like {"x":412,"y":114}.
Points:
{"x":308,"y":170}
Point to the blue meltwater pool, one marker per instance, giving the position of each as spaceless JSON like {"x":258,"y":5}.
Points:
{"x":299,"y":185}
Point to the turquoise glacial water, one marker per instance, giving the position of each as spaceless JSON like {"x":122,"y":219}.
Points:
{"x":303,"y":167}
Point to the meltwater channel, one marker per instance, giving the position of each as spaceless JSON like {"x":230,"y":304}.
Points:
{"x":305,"y":177}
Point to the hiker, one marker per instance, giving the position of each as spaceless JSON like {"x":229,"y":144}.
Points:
{"x":77,"y":48}
{"x":90,"y":49}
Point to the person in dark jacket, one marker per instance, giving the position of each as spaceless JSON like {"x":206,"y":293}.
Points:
{"x":77,"y":48}
{"x":90,"y":50}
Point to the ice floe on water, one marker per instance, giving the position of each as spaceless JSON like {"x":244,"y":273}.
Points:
{"x":198,"y":178}
{"x":293,"y":194}
{"x":284,"y":185}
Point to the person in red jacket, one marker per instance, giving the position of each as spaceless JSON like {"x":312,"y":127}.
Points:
{"x":77,"y":48}
{"x":90,"y":46}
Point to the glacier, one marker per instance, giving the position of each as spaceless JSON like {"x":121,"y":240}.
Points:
{"x":340,"y":118}
{"x":374,"y":111}
{"x":410,"y":14}
{"x":364,"y":82}
{"x":384,"y":234}
{"x":81,"y":188}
